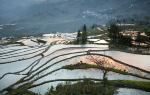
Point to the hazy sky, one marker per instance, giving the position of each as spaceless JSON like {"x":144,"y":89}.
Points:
{"x":69,"y":15}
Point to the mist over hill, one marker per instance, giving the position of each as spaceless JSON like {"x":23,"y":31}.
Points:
{"x":33,"y":17}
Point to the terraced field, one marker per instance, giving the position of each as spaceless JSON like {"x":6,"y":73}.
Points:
{"x":42,"y":66}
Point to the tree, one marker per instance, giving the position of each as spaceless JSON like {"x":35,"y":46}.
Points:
{"x":138,"y":39}
{"x":52,"y":89}
{"x":114,"y":32}
{"x":84,"y":34}
{"x":93,"y":26}
{"x":147,"y":32}
{"x":82,"y":37}
{"x":125,"y":40}
{"x":78,"y":37}
{"x":103,"y":64}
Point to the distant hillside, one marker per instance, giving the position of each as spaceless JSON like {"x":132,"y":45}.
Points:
{"x":43,"y":16}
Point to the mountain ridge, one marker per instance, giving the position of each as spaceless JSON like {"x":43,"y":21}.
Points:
{"x":44,"y":16}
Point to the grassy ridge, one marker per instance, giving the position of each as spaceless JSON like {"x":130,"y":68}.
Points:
{"x":72,"y":89}
{"x":118,"y":83}
{"x":142,"y":85}
{"x":88,"y":66}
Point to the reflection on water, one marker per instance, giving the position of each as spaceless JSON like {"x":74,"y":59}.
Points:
{"x":132,"y":59}
{"x":75,"y":74}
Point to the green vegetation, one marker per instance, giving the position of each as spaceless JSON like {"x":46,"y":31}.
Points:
{"x":89,"y":87}
{"x":114,"y":33}
{"x":130,"y":25}
{"x":12,"y":41}
{"x":147,"y":31}
{"x":117,"y":38}
{"x":96,"y":30}
{"x":94,"y":66}
{"x":86,"y":87}
{"x":142,"y":85}
{"x":80,"y":66}
{"x":21,"y":90}
{"x":41,"y":41}
{"x":78,"y":37}
{"x":129,"y":36}
{"x":85,"y":31}
{"x":82,"y":36}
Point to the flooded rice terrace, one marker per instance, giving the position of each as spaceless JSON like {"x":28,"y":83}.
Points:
{"x":42,"y":63}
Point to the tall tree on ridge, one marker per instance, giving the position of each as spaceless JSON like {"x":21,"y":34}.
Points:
{"x":78,"y":37}
{"x":84,"y":34}
{"x":114,"y":32}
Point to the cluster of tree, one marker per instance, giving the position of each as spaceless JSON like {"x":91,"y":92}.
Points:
{"x":117,"y":37}
{"x":86,"y":87}
{"x":143,"y":39}
{"x":82,"y":36}
{"x":147,"y":31}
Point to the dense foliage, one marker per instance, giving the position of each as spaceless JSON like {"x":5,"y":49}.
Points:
{"x":82,"y":36}
{"x":86,"y":87}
